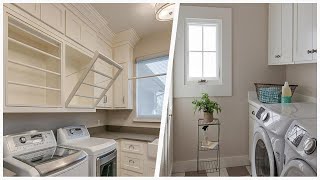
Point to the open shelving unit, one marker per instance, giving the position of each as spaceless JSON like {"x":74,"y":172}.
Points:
{"x":33,"y":71}
{"x":210,"y":165}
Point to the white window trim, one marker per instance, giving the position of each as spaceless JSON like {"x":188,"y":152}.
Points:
{"x":181,"y":89}
{"x":202,"y":22}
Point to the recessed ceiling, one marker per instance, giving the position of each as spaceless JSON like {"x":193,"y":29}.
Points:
{"x":139,"y":16}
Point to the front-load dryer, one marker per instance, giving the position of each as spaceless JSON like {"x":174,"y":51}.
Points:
{"x":301,"y":149}
{"x":272,"y":122}
{"x":102,"y":152}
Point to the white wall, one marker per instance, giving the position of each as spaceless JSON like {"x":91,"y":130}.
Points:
{"x":20,"y":122}
{"x":305,"y":76}
{"x":152,"y":44}
{"x":250,"y":64}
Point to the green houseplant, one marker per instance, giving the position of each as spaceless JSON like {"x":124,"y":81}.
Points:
{"x":207,"y":106}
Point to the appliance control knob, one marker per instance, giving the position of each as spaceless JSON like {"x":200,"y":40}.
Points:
{"x":265,"y":117}
{"x":310,"y":145}
{"x":23,"y":139}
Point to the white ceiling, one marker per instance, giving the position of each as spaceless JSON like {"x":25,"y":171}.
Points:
{"x":139,"y":16}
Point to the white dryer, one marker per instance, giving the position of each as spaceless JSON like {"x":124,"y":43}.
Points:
{"x":35,"y":153}
{"x":102,"y":152}
{"x":301,"y":149}
{"x":272,"y":122}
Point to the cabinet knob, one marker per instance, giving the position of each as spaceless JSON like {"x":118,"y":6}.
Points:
{"x":310,"y":51}
{"x":253,"y":113}
{"x":277,"y":56}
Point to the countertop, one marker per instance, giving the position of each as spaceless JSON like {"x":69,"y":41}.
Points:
{"x":123,"y":135}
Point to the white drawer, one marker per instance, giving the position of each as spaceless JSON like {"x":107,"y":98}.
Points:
{"x":132,"y":147}
{"x":132,"y":162}
{"x":127,"y":173}
{"x":252,"y":111}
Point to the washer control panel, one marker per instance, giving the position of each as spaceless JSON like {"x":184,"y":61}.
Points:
{"x":74,"y":132}
{"x":295,"y":135}
{"x":29,"y":141}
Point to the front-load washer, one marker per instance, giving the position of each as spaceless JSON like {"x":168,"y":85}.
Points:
{"x":301,"y":149}
{"x":35,"y":153}
{"x":102,"y":152}
{"x":272,"y":122}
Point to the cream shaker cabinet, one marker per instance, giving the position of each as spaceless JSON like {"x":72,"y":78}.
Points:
{"x":280,"y":34}
{"x":305,"y":33}
{"x":53,"y":15}
{"x":77,"y":30}
{"x":31,"y":8}
{"x":120,"y":88}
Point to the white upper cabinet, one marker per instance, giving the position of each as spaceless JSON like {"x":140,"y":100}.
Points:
{"x":31,"y":8}
{"x":305,"y":33}
{"x":292,"y":33}
{"x":53,"y":15}
{"x":77,"y":30}
{"x":280,"y":34}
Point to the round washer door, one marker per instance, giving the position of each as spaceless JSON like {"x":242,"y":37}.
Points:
{"x":262,"y":154}
{"x":297,"y":168}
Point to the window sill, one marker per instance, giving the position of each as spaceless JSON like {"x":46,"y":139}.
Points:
{"x":147,"y":120}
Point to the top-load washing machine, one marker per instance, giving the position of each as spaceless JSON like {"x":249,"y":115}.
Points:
{"x":301,"y":149}
{"x":272,"y":122}
{"x":102,"y":152}
{"x":35,"y":153}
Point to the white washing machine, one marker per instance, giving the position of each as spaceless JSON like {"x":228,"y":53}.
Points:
{"x":102,"y":152}
{"x":272,"y":122}
{"x":301,"y":149}
{"x":36,"y":153}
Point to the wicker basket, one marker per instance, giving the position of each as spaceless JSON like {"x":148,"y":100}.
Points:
{"x":271,"y":93}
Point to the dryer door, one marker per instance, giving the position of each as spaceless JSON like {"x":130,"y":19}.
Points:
{"x":298,"y":168}
{"x":262,"y":154}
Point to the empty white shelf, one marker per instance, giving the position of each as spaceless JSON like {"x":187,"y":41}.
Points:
{"x":34,"y":86}
{"x":34,"y":67}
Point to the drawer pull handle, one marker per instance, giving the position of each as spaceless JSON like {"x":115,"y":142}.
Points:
{"x":131,"y":147}
{"x":131,"y":161}
{"x":253,"y":113}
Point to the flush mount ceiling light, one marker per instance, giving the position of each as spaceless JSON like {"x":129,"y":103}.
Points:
{"x":164,"y":11}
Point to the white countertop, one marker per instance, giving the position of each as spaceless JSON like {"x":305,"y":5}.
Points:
{"x":123,"y":135}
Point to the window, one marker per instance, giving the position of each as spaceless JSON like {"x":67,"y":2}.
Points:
{"x":150,"y":85}
{"x":203,"y":49}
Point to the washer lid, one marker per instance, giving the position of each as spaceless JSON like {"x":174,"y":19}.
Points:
{"x":94,"y":146}
{"x":298,"y":168}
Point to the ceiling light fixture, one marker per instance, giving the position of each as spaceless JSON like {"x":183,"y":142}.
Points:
{"x":164,"y":11}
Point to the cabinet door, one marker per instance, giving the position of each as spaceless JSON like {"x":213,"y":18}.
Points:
{"x":118,"y":95}
{"x":88,"y":37}
{"x":303,"y":33}
{"x":314,"y":31}
{"x":280,"y":34}
{"x":73,"y":27}
{"x":53,"y":15}
{"x":274,"y":33}
{"x":31,"y":8}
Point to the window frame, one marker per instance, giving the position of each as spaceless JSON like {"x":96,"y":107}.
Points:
{"x":146,"y":118}
{"x":204,"y":22}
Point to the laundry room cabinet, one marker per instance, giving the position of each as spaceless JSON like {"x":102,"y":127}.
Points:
{"x":31,"y":8}
{"x":292,"y":33}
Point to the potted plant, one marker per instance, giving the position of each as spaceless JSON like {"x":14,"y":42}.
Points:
{"x":207,"y":106}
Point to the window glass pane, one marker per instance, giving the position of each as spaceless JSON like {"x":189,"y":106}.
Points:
{"x":195,"y":64}
{"x":210,"y":64}
{"x":195,"y":38}
{"x":150,"y":91}
{"x":209,"y":38}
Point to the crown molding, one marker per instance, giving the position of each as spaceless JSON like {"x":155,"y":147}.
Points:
{"x":93,"y":19}
{"x":128,"y":36}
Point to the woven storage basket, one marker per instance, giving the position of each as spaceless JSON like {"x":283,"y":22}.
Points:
{"x":271,"y":93}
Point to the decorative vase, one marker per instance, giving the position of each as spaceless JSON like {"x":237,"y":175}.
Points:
{"x":208,"y":117}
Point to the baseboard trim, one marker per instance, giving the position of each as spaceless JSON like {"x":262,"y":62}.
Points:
{"x":191,"y":165}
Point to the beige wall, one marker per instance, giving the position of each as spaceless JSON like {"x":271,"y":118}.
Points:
{"x":152,"y":44}
{"x":20,"y":122}
{"x":305,"y":76}
{"x":250,"y":64}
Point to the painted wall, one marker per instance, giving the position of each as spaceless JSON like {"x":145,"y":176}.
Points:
{"x":250,"y":64}
{"x":304,"y":75}
{"x":20,"y":122}
{"x":152,"y":44}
